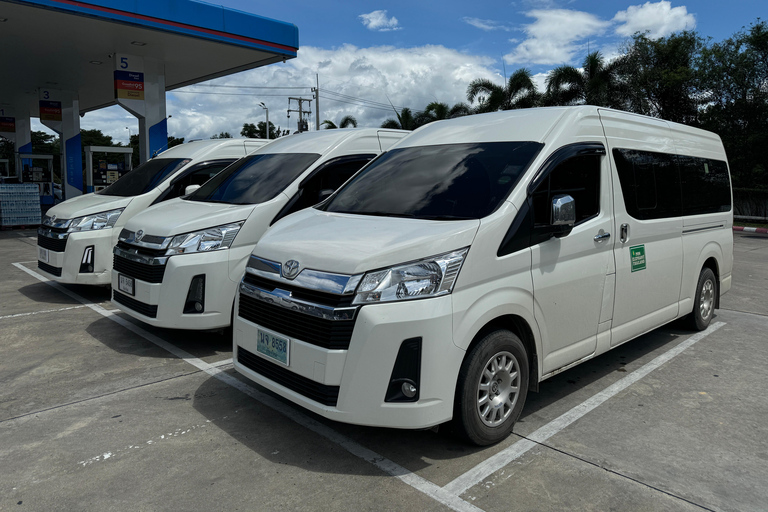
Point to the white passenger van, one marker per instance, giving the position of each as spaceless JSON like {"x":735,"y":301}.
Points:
{"x":76,"y":237}
{"x":480,"y":256}
{"x":178,"y":264}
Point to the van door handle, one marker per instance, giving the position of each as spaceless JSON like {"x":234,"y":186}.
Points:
{"x":602,"y":235}
{"x":624,"y":233}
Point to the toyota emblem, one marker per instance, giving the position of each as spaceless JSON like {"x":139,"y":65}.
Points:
{"x":139,"y":235}
{"x":290,"y":269}
{"x":53,"y":218}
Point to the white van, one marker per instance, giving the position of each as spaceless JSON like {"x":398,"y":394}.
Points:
{"x":74,"y":243}
{"x":480,"y":256}
{"x":178,"y":264}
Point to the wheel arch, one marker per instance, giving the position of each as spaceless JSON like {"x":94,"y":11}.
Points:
{"x":521,"y":328}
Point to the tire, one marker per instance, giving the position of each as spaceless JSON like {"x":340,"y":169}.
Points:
{"x":704,"y":300}
{"x":477,"y":418}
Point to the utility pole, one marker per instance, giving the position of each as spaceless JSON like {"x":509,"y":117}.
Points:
{"x":301,"y":111}
{"x":317,"y":101}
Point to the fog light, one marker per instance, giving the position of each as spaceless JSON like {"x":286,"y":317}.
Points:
{"x":406,"y":373}
{"x":86,"y":263}
{"x":195,"y":302}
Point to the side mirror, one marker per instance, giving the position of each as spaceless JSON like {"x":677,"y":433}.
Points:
{"x":324,"y":194}
{"x":190,"y":189}
{"x":563,"y":215}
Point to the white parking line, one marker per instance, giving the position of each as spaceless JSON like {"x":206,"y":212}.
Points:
{"x":40,"y":312}
{"x":503,"y":458}
{"x":421,"y":484}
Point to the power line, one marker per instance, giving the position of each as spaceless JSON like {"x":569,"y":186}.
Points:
{"x":250,"y":86}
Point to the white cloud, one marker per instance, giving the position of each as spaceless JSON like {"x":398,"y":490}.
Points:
{"x":409,"y":77}
{"x":378,"y":21}
{"x":660,"y":19}
{"x":487,"y":25}
{"x":552,"y":38}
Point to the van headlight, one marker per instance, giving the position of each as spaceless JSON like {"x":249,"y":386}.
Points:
{"x":430,"y":277}
{"x":211,"y":239}
{"x":99,"y":220}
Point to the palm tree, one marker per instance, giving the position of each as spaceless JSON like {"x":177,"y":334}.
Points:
{"x":346,"y":122}
{"x":519,"y":92}
{"x":437,"y":111}
{"x":597,"y":83}
{"x":405,"y":120}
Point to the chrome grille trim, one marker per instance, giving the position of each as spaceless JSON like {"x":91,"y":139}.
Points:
{"x":284,"y":299}
{"x":140,"y":258}
{"x":328,"y":282}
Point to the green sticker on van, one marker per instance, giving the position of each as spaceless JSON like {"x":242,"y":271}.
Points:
{"x":637,"y":257}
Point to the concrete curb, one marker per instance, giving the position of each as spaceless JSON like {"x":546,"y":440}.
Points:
{"x":751,"y":230}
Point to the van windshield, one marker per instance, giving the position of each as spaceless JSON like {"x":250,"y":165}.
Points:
{"x":254,"y":179}
{"x":443,"y":182}
{"x":145,"y":177}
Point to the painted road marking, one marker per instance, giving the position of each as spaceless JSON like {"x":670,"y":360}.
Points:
{"x":17,"y":315}
{"x":448,"y":495}
{"x":421,"y":484}
{"x":509,"y":454}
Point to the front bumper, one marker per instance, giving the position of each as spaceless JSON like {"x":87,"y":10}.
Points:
{"x":166,"y":299}
{"x":64,"y":266}
{"x":361,"y":373}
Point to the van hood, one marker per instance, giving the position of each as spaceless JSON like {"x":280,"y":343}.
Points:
{"x":178,"y":216}
{"x":353,"y":244}
{"x":87,"y":204}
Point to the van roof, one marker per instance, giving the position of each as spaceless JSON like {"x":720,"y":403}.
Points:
{"x":321,"y":141}
{"x":527,"y":124}
{"x":200,"y":148}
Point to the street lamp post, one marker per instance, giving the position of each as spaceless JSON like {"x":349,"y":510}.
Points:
{"x":262,"y":105}
{"x":129,"y":135}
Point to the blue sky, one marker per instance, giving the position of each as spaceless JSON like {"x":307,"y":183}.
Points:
{"x":370,"y":53}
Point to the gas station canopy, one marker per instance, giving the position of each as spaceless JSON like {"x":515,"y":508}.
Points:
{"x":63,"y":58}
{"x":70,"y":45}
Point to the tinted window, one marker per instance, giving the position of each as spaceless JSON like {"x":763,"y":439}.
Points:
{"x":650,"y":183}
{"x":579,"y":177}
{"x":451,"y":181}
{"x":706,"y":186}
{"x":254,"y":179}
{"x":145,"y":177}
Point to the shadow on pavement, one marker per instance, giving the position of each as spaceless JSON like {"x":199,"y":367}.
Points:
{"x":260,"y":429}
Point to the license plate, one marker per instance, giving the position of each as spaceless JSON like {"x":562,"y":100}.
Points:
{"x":273,"y":346}
{"x":42,"y":254}
{"x":125,"y":284}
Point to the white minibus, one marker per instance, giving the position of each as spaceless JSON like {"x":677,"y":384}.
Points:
{"x":178,"y":264}
{"x":480,"y":256}
{"x":74,"y":243}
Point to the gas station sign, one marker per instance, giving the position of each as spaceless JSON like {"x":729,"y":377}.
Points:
{"x":7,"y":124}
{"x":129,"y":77}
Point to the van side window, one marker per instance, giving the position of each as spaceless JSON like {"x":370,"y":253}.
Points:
{"x":650,"y":183}
{"x":323,"y":182}
{"x":705,"y":184}
{"x":197,"y":176}
{"x":578,"y":177}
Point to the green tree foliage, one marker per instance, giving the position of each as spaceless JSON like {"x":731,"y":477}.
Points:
{"x":660,"y":77}
{"x":346,"y":122}
{"x":734,"y":74}
{"x":519,"y":92}
{"x":596,"y":83}
{"x":259,"y":130}
{"x":222,"y":135}
{"x":405,"y":120}
{"x":437,"y":111}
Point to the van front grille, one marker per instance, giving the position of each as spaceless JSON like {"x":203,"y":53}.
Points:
{"x":329,"y":334}
{"x":320,"y":393}
{"x":140,"y":271}
{"x":54,"y":271}
{"x":135,"y":305}
{"x":52,"y":244}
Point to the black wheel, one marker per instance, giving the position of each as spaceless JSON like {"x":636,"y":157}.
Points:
{"x":491,"y":390}
{"x":704,"y":300}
